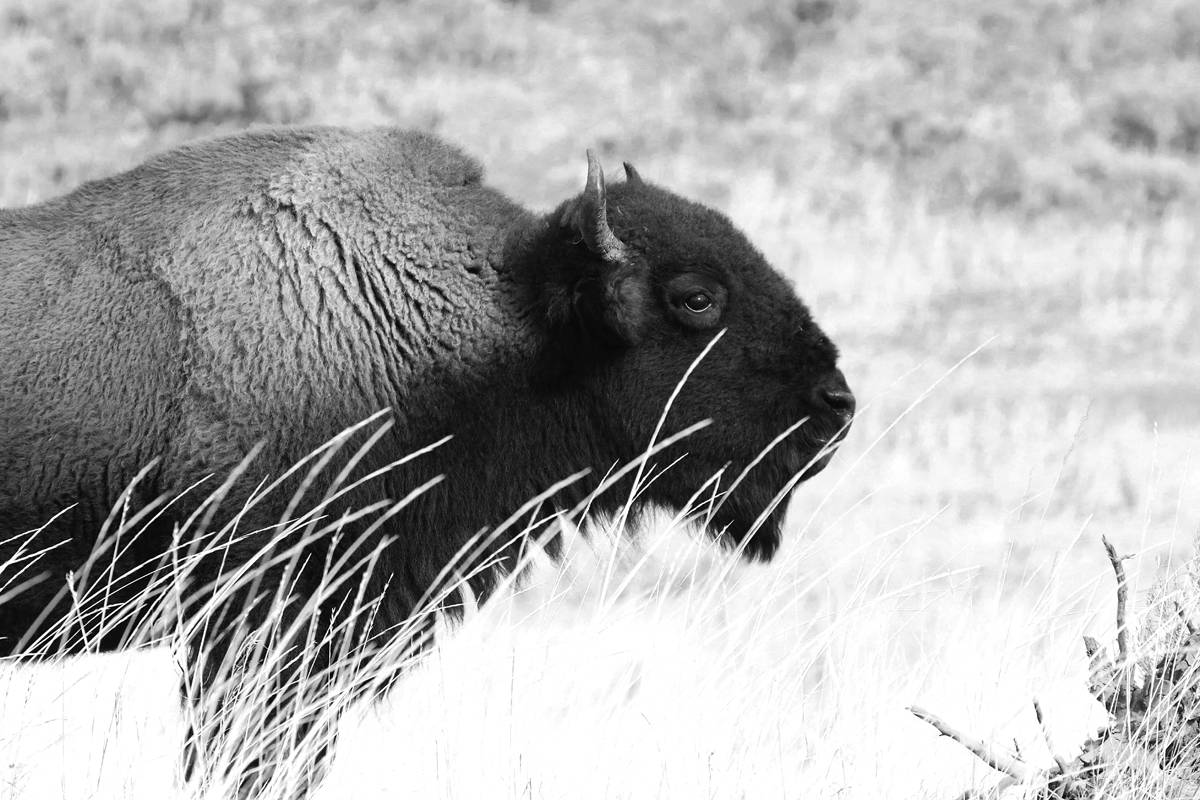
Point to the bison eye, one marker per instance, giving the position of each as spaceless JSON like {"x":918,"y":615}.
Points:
{"x":695,"y":301}
{"x":698,"y":302}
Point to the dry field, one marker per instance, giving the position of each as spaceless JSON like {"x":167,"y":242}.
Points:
{"x":990,"y":209}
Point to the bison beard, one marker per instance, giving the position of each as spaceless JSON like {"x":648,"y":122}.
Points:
{"x":229,"y":308}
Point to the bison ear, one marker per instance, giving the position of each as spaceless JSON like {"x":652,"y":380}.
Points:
{"x":616,"y":298}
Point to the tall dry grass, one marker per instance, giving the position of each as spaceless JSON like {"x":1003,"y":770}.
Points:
{"x":643,"y":663}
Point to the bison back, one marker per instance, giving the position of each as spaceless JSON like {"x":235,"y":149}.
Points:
{"x":268,"y":289}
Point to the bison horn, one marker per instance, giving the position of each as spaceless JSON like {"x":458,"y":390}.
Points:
{"x":593,"y":216}
{"x":632,"y":176}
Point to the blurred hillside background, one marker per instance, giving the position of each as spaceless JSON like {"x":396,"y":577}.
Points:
{"x":1015,"y":182}
{"x":1028,"y":107}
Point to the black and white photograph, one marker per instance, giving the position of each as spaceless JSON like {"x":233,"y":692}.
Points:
{"x":590,"y":400}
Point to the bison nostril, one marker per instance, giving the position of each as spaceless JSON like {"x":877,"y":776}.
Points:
{"x":838,"y":399}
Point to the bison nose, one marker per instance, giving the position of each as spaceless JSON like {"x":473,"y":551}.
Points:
{"x":833,"y":394}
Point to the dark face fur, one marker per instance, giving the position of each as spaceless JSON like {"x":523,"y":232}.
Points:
{"x":663,"y":277}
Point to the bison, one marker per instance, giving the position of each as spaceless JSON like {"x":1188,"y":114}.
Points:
{"x":229,"y":307}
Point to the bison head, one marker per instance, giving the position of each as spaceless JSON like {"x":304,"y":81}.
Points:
{"x":644,"y":283}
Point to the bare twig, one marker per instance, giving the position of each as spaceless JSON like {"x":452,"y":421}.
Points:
{"x":1122,"y":599}
{"x":985,"y":752}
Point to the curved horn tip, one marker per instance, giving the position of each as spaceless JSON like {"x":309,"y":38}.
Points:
{"x":595,"y":176}
{"x":631,"y":174}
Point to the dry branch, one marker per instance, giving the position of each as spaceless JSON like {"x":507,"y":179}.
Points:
{"x":989,"y":754}
{"x":1122,"y":598}
{"x":1151,"y":745}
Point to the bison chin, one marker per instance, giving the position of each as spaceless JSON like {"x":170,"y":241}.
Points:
{"x":746,"y":520}
{"x":733,"y":527}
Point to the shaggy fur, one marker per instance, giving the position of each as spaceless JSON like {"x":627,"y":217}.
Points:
{"x":277,"y":286}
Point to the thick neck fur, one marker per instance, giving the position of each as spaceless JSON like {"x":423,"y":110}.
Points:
{"x":526,"y":423}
